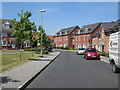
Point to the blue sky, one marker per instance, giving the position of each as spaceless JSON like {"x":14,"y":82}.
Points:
{"x":60,"y":15}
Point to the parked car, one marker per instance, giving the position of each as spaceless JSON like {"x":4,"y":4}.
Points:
{"x":114,"y":49}
{"x":49,"y":49}
{"x":80,"y":50}
{"x":91,"y":53}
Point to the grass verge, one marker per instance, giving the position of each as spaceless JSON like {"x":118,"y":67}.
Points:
{"x":10,"y":61}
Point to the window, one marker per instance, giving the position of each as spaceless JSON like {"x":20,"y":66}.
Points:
{"x":78,"y":31}
{"x":84,"y":38}
{"x":88,"y":38}
{"x":88,"y":45}
{"x":68,"y":32}
{"x":65,"y":44}
{"x":58,"y":34}
{"x":63,"y":33}
{"x":11,"y":35}
{"x":77,"y":38}
{"x":76,"y":45}
{"x":84,"y":45}
{"x":91,"y":50}
{"x":4,"y":42}
{"x":4,"y":35}
{"x":6,"y":25}
{"x":27,"y":43}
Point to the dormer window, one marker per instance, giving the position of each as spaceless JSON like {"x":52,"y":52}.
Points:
{"x":6,"y":25}
{"x":68,"y":32}
{"x":63,"y":33}
{"x":78,"y":31}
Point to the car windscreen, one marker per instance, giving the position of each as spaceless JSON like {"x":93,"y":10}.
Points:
{"x":91,"y":50}
{"x":81,"y":49}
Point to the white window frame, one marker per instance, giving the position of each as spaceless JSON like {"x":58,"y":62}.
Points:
{"x":27,"y":43}
{"x":6,"y":43}
{"x":84,"y":38}
{"x":6,"y":24}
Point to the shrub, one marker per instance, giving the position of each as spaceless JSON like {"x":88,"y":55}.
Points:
{"x":104,"y":54}
{"x":57,"y":47}
{"x":66,"y":48}
{"x":44,"y":52}
{"x":70,"y":48}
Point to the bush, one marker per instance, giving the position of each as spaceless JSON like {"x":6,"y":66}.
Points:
{"x":32,"y":49}
{"x":70,"y":49}
{"x":44,"y":52}
{"x":104,"y":54}
{"x":57,"y":47}
{"x":66,"y":48}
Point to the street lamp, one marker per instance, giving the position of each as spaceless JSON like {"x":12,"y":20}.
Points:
{"x":41,"y":32}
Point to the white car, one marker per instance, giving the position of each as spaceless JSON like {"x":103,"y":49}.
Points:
{"x":80,"y":50}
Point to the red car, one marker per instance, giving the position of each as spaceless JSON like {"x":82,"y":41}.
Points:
{"x":91,"y":53}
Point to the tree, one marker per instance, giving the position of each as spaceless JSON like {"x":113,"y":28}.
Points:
{"x":23,"y":28}
{"x":45,"y":39}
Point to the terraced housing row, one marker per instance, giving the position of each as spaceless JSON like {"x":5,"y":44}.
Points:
{"x":89,"y":36}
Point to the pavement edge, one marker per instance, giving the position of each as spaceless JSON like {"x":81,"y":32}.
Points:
{"x":23,"y":86}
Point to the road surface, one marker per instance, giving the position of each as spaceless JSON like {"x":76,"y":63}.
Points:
{"x":70,"y":70}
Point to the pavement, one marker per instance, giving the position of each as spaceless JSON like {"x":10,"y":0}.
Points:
{"x":20,"y":76}
{"x":104,"y":59}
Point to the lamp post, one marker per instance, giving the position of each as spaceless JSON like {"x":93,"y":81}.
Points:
{"x":41,"y":32}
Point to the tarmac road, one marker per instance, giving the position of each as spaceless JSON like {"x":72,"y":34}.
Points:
{"x":70,"y":70}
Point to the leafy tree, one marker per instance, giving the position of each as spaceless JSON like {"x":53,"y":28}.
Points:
{"x":23,"y":28}
{"x":45,"y":39}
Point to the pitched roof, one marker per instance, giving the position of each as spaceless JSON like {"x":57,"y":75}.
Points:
{"x":113,"y":26}
{"x":70,"y":29}
{"x":90,"y":28}
{"x":51,"y":37}
{"x":107,"y":25}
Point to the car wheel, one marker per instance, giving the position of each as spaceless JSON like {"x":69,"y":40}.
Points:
{"x":98,"y":58}
{"x":86,"y":58}
{"x":115,"y":69}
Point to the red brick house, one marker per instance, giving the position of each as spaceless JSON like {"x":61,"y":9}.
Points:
{"x":8,"y":41}
{"x":82,"y":39}
{"x":52,"y":39}
{"x":100,"y":36}
{"x":64,"y":37}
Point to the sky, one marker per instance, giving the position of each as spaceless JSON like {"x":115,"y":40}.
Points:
{"x":61,"y":15}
